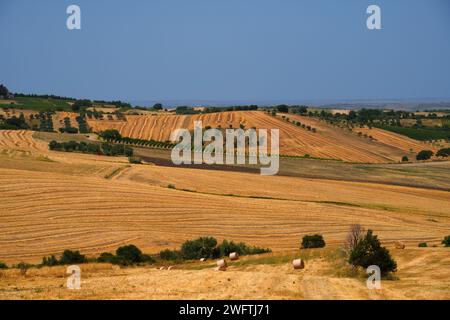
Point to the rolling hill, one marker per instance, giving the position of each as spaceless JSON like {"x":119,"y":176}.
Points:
{"x":328,"y":142}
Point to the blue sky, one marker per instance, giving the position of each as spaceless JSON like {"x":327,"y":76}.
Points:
{"x":227,"y":50}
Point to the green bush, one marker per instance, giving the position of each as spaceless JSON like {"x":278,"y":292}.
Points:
{"x":107,"y":257}
{"x":313,"y":241}
{"x":227,"y":247}
{"x":171,"y":255}
{"x":446,"y":241}
{"x":72,"y":257}
{"x":203,"y":247}
{"x":405,"y":159}
{"x":424,"y":155}
{"x":126,"y":255}
{"x":50,"y":261}
{"x":110,"y":135}
{"x":3,"y":265}
{"x":423,"y":245}
{"x":135,"y":160}
{"x":130,"y":255}
{"x":368,"y":251}
{"x":445,"y":152}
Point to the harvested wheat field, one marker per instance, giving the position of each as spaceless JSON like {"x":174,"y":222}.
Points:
{"x":328,"y":142}
{"x":49,"y":206}
{"x":51,"y":201}
{"x":268,"y":276}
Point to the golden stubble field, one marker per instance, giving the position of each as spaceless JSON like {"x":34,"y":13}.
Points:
{"x":328,"y":142}
{"x":51,"y":201}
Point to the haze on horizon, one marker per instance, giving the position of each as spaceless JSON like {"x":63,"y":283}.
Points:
{"x":235,"y":50}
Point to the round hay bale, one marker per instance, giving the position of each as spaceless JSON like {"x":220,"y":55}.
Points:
{"x":203,"y":259}
{"x":223,"y":268}
{"x":399,"y":245}
{"x":221,"y":263}
{"x":234,"y":256}
{"x":161,"y":268}
{"x":298,"y":264}
{"x":170,"y":268}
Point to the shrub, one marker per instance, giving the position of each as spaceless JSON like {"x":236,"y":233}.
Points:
{"x":203,"y":247}
{"x":405,"y":159}
{"x":283,"y":108}
{"x":50,"y":261}
{"x":3,"y":265}
{"x":23,"y":267}
{"x":110,"y":135}
{"x":135,"y":160}
{"x":72,"y":257}
{"x":445,"y":152}
{"x":446,"y":241}
{"x":369,"y":252}
{"x":423,"y":245}
{"x":227,"y":247}
{"x":129,"y":255}
{"x":107,"y":257}
{"x":424,"y":155}
{"x":171,"y":255}
{"x":313,"y":241}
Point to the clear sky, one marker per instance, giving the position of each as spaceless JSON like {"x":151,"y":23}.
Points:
{"x":227,"y":49}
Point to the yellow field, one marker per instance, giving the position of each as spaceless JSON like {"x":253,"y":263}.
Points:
{"x":327,"y":142}
{"x":422,"y":274}
{"x":51,"y":201}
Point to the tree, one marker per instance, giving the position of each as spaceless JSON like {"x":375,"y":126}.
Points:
{"x":445,"y":152}
{"x":81,"y":104}
{"x":72,"y":257}
{"x":3,"y":265}
{"x":313,"y":241}
{"x":446,"y":241}
{"x":4,"y":92}
{"x":203,"y":247}
{"x":303,"y":110}
{"x":405,"y":159}
{"x":424,"y":155}
{"x":111,"y":134}
{"x":283,"y":108}
{"x":50,"y":261}
{"x":354,"y":236}
{"x":157,"y":106}
{"x":107,"y":257}
{"x":369,"y":252}
{"x":128,"y":255}
{"x":171,"y":255}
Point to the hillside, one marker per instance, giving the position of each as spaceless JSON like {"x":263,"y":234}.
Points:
{"x":328,"y":142}
{"x":51,"y":201}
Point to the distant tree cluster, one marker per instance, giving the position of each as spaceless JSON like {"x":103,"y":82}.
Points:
{"x":114,"y":136}
{"x":207,"y":247}
{"x":68,"y":127}
{"x":45,"y":122}
{"x":14,"y":123}
{"x":106,"y":149}
{"x":126,"y":255}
